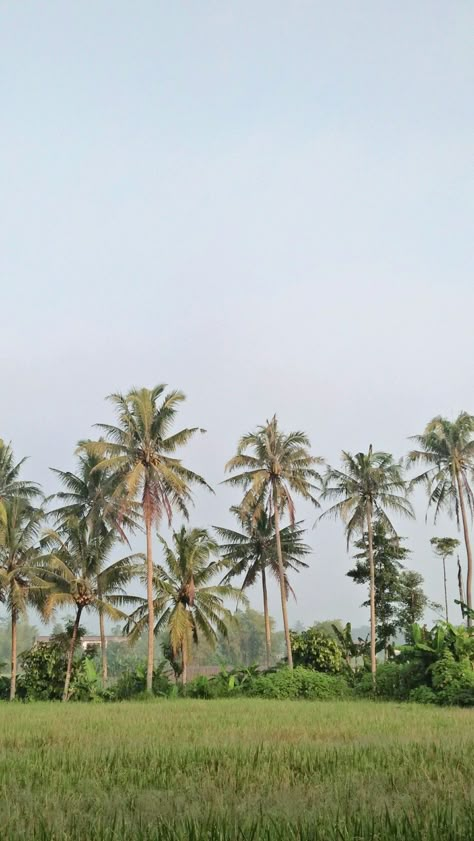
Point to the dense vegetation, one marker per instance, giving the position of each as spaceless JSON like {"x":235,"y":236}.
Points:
{"x":73,"y":549}
{"x":252,"y":771}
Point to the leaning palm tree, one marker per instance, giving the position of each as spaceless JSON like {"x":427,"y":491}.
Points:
{"x":444,"y":547}
{"x":141,"y":451}
{"x":252,"y":551}
{"x":447,"y":449}
{"x":74,"y":567}
{"x":20,"y":570}
{"x":368,"y":486}
{"x":186,"y":604}
{"x":91,"y":494}
{"x":273,"y":466}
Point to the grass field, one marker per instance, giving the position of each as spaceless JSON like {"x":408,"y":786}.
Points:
{"x":243,"y":769}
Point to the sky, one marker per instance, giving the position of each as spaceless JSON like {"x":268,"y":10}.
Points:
{"x":265,"y":204}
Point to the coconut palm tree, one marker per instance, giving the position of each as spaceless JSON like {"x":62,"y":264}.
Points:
{"x":368,"y":486}
{"x":92,"y":494}
{"x":11,"y":486}
{"x":447,"y":449}
{"x":272,"y":467}
{"x":185,"y":602}
{"x":445,"y":547}
{"x":141,"y":451}
{"x":253,"y":551}
{"x":74,"y":567}
{"x":20,"y":572}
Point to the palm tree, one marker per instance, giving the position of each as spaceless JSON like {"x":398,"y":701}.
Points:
{"x":185,"y":603}
{"x":447,"y":449}
{"x":445,"y":547}
{"x":273,"y":466}
{"x":140,"y":451}
{"x":20,"y":573}
{"x":11,"y":486}
{"x":75,"y":569}
{"x":369,"y":485}
{"x":253,"y":551}
{"x":91,"y":495}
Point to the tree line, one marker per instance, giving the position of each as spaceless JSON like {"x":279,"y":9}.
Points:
{"x":55,"y":551}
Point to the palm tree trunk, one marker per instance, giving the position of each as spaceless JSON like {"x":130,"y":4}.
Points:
{"x":103,"y":646}
{"x":268,"y":634}
{"x":184,"y":655}
{"x":149,"y":593}
{"x":281,"y":575}
{"x":445,"y":589}
{"x":13,"y":659}
{"x":71,"y":653}
{"x":468,"y":547}
{"x":373,"y":656}
{"x":460,"y":586}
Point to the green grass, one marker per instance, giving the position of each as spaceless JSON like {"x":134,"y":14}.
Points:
{"x":238,"y":769}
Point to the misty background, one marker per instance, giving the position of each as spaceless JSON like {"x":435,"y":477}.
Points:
{"x":267,"y":205}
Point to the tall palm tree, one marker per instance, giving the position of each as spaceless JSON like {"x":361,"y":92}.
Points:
{"x":368,"y":486}
{"x":253,"y":551}
{"x":91,"y":494}
{"x":140,"y":450}
{"x":445,"y":547}
{"x":75,"y":569}
{"x":273,"y":466}
{"x":447,"y":449}
{"x":185,"y":602}
{"x":20,"y":571}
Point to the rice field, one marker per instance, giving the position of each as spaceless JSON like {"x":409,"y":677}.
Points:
{"x":236,"y":769}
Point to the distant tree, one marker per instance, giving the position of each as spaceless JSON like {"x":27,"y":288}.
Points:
{"x":388,"y":556}
{"x":252,"y":552}
{"x":326,"y":626}
{"x":142,"y":452}
{"x":447,"y":449}
{"x":369,"y":485}
{"x":272,"y":467}
{"x":445,"y":547}
{"x":412,"y":601}
{"x":245,"y":643}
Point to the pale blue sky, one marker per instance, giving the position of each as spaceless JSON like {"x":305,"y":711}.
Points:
{"x":266,"y":204}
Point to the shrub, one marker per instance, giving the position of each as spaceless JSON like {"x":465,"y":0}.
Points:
{"x":315,"y":650}
{"x":132,"y":683}
{"x":453,"y":681}
{"x":299,"y":683}
{"x":395,"y":681}
{"x":422,"y":695}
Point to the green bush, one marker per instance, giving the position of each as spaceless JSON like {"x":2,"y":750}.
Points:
{"x":132,"y":683}
{"x":422,"y":695}
{"x":453,"y":681}
{"x":4,"y":688}
{"x":299,"y":683}
{"x":395,"y":681}
{"x":315,"y":650}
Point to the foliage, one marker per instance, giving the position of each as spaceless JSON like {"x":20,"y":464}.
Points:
{"x":412,"y":601}
{"x":388,"y":556}
{"x":298,"y":683}
{"x":315,"y":650}
{"x":132,"y":683}
{"x":44,"y":669}
{"x":244,"y":643}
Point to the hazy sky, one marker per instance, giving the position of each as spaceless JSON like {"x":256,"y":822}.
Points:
{"x":266,"y":204}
